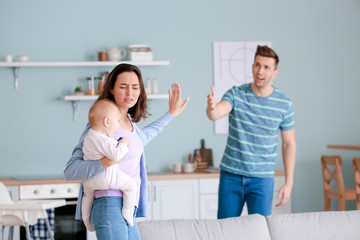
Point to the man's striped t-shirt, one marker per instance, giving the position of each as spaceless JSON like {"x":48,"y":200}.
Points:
{"x":254,"y":124}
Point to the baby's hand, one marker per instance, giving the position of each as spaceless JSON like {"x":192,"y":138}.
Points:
{"x":124,"y":140}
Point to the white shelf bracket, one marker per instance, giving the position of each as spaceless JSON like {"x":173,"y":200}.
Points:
{"x":16,"y":75}
{"x":75,"y":109}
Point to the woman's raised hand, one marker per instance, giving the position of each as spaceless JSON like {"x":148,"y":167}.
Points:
{"x":175,"y":103}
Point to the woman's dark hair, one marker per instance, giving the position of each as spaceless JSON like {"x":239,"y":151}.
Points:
{"x":139,"y":110}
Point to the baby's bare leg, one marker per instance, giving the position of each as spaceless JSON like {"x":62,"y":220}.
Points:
{"x":121,"y":181}
{"x":86,"y":208}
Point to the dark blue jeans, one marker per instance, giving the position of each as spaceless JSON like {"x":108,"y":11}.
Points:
{"x":235,"y":190}
{"x":108,"y":221}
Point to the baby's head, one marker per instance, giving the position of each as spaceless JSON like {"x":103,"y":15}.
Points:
{"x":104,"y":117}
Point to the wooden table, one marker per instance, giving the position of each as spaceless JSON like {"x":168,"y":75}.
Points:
{"x":345,"y":146}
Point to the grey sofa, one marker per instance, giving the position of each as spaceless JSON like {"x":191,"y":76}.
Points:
{"x":343,"y":225}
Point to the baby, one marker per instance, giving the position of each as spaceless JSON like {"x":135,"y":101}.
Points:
{"x":104,"y":118}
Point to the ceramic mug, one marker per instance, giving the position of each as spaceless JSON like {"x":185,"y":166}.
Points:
{"x":8,"y":58}
{"x":188,"y":167}
{"x":177,"y":168}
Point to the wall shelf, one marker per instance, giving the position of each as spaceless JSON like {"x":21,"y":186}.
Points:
{"x":17,"y":65}
{"x":94,"y":97}
{"x":76,"y":98}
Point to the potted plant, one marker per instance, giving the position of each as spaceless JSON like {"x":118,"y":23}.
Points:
{"x":78,"y":91}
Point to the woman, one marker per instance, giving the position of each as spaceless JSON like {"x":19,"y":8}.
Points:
{"x":125,"y":87}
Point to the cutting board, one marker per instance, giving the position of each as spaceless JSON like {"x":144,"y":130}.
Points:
{"x":206,"y":154}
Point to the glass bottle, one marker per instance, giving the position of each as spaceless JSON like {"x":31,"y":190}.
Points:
{"x":91,"y":86}
{"x":148,"y":86}
{"x":155,"y":87}
{"x":101,"y":81}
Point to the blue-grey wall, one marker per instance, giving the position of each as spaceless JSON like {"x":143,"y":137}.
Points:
{"x":317,"y":41}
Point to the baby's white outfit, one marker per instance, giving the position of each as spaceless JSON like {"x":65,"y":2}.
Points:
{"x":95,"y":147}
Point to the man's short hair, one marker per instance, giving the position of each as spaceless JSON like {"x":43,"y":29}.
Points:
{"x":265,"y":51}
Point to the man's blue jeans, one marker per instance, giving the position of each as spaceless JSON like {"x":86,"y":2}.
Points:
{"x":108,"y":221}
{"x":235,"y":190}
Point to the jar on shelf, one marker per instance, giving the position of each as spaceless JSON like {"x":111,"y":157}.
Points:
{"x":91,"y":86}
{"x":101,"y":81}
{"x":155,"y":87}
{"x":103,"y":56}
{"x":148,"y":86}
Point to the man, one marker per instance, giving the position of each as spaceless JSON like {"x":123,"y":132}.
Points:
{"x":257,"y":112}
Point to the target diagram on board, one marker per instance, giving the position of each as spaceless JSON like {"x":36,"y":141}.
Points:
{"x":232,"y":67}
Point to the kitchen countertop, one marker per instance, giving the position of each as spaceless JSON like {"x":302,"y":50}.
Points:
{"x":151,"y":176}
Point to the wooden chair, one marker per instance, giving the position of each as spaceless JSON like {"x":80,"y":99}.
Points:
{"x":331,"y":171}
{"x":356,"y":167}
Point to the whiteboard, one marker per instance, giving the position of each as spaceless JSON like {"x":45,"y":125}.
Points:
{"x":232,"y":67}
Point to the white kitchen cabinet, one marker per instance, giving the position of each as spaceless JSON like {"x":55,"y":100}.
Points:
{"x":208,"y":206}
{"x":175,"y":199}
{"x":149,"y":209}
{"x":208,"y":197}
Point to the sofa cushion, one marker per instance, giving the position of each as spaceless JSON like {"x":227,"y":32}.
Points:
{"x":248,"y":227}
{"x":315,"y":225}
